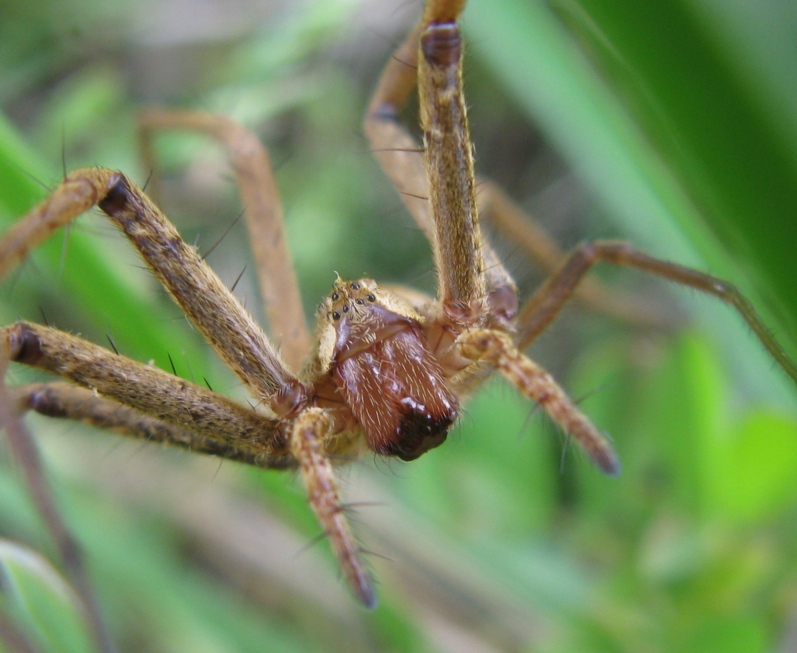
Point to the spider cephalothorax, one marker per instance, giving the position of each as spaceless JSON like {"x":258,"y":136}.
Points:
{"x":390,"y":369}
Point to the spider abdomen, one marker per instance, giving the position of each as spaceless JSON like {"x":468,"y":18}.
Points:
{"x":396,"y":392}
{"x":393,"y":385}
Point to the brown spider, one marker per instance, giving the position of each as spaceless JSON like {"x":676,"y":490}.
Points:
{"x":390,"y":368}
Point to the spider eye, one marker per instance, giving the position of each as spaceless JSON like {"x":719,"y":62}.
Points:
{"x":335,"y":315}
{"x":346,"y":308}
{"x":355,"y":286}
{"x":335,"y":296}
{"x":360,"y":302}
{"x":371,"y":297}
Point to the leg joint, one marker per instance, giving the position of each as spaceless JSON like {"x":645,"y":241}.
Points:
{"x":23,"y":344}
{"x":118,"y":196}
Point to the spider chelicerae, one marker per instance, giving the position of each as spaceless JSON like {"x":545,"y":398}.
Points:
{"x":388,"y":369}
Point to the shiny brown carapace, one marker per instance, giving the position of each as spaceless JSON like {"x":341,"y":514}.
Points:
{"x":388,"y":368}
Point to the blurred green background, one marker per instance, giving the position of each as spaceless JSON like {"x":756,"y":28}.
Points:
{"x":673,"y":125}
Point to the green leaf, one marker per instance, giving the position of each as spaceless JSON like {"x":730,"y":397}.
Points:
{"x":40,"y":601}
{"x":752,"y":468}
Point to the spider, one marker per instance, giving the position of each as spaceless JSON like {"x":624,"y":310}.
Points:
{"x":389,"y":368}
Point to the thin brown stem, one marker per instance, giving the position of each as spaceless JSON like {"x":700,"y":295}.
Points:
{"x":30,"y":462}
{"x":13,"y":638}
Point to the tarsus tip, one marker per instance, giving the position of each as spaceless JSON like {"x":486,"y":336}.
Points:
{"x":609,"y":463}
{"x":367,"y":596}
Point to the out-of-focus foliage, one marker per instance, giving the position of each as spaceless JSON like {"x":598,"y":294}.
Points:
{"x":673,"y":126}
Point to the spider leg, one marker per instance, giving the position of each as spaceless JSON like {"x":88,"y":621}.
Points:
{"x":449,"y":163}
{"x":549,"y":300}
{"x":500,"y":211}
{"x":394,"y":148}
{"x":264,"y":220}
{"x":498,"y":349}
{"x":67,"y":401}
{"x":436,"y":181}
{"x":307,"y":444}
{"x":214,"y":310}
{"x":146,"y":389}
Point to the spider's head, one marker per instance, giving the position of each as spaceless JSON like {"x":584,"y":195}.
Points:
{"x":356,"y":302}
{"x":349,"y":300}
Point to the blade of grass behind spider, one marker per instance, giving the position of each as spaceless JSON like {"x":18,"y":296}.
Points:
{"x":655,"y":197}
{"x":707,"y":86}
